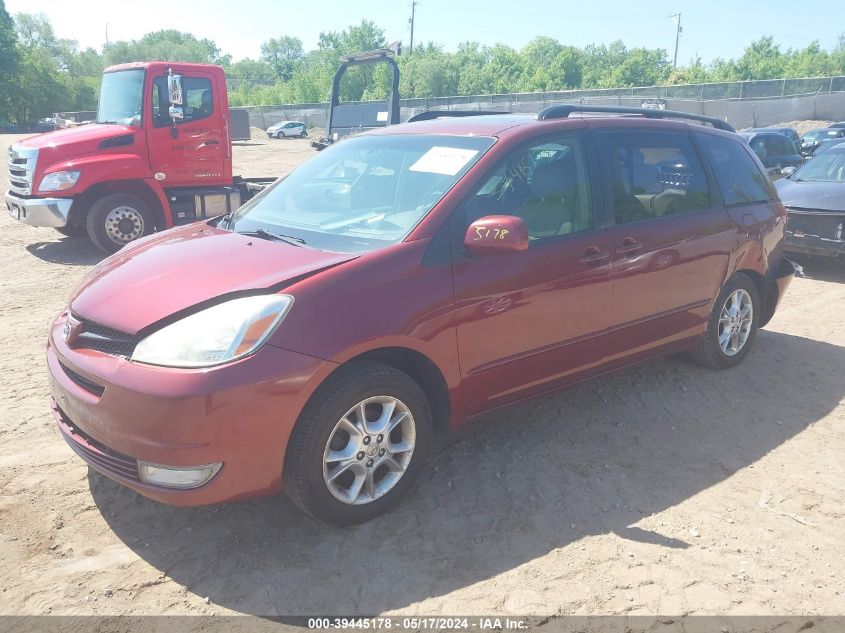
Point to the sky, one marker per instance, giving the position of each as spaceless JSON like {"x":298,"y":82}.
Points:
{"x":711,"y":28}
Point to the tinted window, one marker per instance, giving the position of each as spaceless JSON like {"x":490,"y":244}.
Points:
{"x":198,"y":100}
{"x":737,"y":175}
{"x":545,"y":184}
{"x":779,"y":145}
{"x":654,"y":175}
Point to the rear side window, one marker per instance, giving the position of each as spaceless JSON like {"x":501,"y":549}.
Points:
{"x":780,"y":145}
{"x":739,"y":178}
{"x":654,"y":175}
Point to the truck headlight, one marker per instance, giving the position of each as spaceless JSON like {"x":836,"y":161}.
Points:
{"x":216,"y":335}
{"x":58,"y":181}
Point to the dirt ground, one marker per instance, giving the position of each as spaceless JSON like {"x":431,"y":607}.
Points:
{"x":665,"y":488}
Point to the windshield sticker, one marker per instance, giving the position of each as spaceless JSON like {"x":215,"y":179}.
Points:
{"x":444,"y":160}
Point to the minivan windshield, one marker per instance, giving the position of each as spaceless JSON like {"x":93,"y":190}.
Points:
{"x":363,"y":193}
{"x":121,"y":97}
{"x":826,"y":167}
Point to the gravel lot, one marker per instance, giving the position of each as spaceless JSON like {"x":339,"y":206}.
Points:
{"x":665,"y":488}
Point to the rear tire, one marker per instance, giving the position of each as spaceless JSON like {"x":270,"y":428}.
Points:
{"x":117,"y":219}
{"x":381,"y":462}
{"x":303,"y":134}
{"x":731,"y":328}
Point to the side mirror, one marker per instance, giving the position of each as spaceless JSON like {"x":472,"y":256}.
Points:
{"x":495,"y":234}
{"x":788,"y":170}
{"x":174,"y":89}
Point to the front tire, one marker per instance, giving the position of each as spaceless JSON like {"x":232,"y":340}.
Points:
{"x":732,"y":326}
{"x":117,"y":219}
{"x":358,"y":445}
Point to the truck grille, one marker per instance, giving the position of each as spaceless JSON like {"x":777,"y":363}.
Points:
{"x":21,"y":169}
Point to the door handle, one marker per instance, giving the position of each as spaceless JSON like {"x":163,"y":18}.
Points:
{"x":629,"y":245}
{"x":212,"y":142}
{"x":594,"y":256}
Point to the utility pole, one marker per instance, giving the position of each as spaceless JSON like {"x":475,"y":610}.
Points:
{"x":411,"y":22}
{"x":677,"y":17}
{"x":107,"y":34}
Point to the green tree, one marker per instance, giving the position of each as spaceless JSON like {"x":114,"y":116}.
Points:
{"x":250,"y":73}
{"x":283,"y":54}
{"x":9,"y":59}
{"x":167,"y":45}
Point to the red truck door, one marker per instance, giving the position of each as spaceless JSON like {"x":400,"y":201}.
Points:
{"x":193,"y":151}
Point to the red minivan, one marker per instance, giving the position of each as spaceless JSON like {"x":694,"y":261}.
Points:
{"x":402,"y":283}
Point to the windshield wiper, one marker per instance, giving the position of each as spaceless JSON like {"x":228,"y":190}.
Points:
{"x":278,"y":237}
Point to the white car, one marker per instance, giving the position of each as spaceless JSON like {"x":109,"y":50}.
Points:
{"x":286,"y":129}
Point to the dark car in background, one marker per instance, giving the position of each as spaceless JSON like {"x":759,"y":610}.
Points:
{"x":814,"y":196}
{"x":786,"y":131}
{"x":775,"y":150}
{"x":810,"y":141}
{"x":826,"y":145}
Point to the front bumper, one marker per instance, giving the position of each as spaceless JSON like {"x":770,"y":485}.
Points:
{"x":814,"y":245}
{"x":52,"y":212}
{"x":815,"y":232}
{"x":113,"y":412}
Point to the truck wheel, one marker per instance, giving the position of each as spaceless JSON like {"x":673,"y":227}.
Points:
{"x":117,"y":219}
{"x":358,"y":445}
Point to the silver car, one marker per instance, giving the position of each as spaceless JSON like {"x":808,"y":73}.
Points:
{"x":284,"y":129}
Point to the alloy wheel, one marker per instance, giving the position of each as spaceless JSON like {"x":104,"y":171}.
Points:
{"x":369,"y":450}
{"x":735,"y":321}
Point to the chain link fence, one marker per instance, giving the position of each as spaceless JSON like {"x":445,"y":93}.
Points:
{"x":735,"y":90}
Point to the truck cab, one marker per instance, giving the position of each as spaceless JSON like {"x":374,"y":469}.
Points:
{"x":158,"y":154}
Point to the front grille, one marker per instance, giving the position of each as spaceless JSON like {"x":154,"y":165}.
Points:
{"x":88,"y":385}
{"x":21,"y":169}
{"x":824,"y":224}
{"x":93,"y":452}
{"x":105,"y":339}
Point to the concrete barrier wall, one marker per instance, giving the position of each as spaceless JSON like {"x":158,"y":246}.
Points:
{"x":740,"y":114}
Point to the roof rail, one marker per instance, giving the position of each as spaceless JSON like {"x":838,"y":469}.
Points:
{"x":428,"y":115}
{"x":563,"y":111}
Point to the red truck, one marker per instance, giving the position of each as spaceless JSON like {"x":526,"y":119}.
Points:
{"x":159,"y":154}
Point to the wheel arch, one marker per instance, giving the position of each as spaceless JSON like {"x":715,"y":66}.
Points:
{"x":423,"y":371}
{"x":764,"y":292}
{"x":140,"y":188}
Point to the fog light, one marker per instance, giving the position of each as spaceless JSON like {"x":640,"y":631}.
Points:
{"x":175,"y":477}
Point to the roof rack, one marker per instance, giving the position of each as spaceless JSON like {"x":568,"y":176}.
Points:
{"x":563,"y":111}
{"x":428,"y":115}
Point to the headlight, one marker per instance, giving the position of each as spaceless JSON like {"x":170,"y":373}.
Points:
{"x":216,"y":335}
{"x":58,"y":180}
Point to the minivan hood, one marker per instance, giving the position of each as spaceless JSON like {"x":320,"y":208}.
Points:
{"x":171,"y":271}
{"x":823,"y":196}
